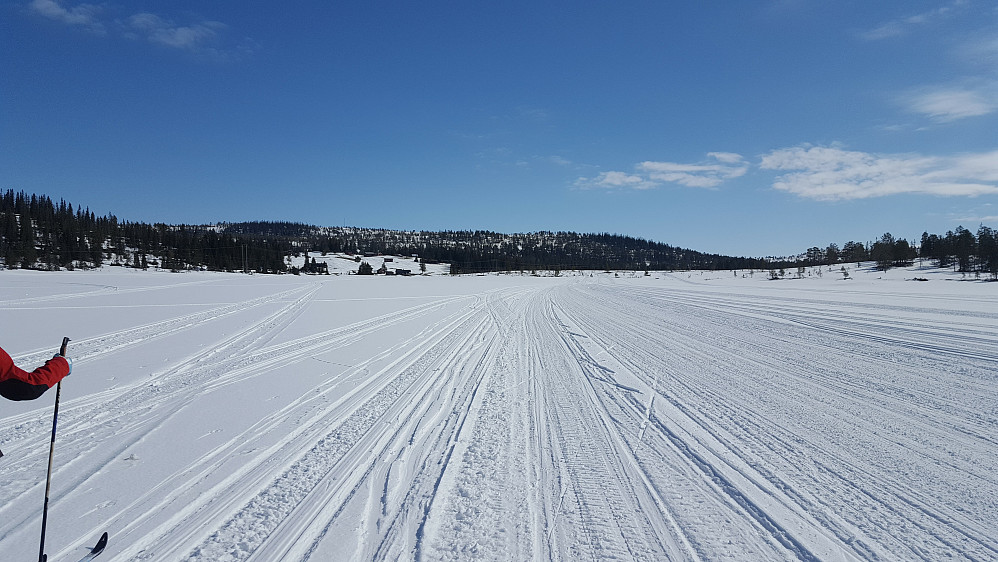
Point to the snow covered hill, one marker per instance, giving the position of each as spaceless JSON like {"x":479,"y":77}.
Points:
{"x":674,"y":416}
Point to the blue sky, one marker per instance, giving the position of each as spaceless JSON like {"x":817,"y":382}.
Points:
{"x":745,"y":128}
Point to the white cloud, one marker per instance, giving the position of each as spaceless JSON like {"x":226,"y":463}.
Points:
{"x":726,"y":157}
{"x":824,"y":173}
{"x":980,"y":214}
{"x":983,"y":166}
{"x":833,"y":174}
{"x":982,"y":50}
{"x":533,"y":113}
{"x":203,"y":38}
{"x":728,"y":165}
{"x":885,"y":31}
{"x":946,"y":104}
{"x":162,"y":32}
{"x":615,"y":180}
{"x":973,"y":219}
{"x":973,"y":95}
{"x":83,"y":15}
{"x":903,"y":25}
{"x":719,"y":167}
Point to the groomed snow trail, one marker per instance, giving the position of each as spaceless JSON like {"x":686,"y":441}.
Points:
{"x":515,"y":418}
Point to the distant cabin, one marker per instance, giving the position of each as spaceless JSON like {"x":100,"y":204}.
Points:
{"x":400,"y":271}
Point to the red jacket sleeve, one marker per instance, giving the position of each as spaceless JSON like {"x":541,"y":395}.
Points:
{"x":18,"y":384}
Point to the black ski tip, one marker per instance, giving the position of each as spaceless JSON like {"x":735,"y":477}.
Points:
{"x":100,"y":545}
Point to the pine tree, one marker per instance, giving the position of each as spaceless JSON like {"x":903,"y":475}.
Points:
{"x":883,"y":252}
{"x":9,"y":247}
{"x":26,"y":248}
{"x":987,"y":250}
{"x":965,"y":248}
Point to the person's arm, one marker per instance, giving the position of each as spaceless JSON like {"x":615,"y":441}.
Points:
{"x":18,"y":384}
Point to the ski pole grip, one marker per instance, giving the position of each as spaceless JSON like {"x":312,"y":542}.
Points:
{"x":62,"y":350}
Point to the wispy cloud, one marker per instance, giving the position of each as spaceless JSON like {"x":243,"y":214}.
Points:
{"x":834,"y":174}
{"x":533,"y":114}
{"x":972,"y":218}
{"x":980,"y":50}
{"x":615,"y":180}
{"x":904,"y":25}
{"x":823,"y":173}
{"x":718,"y":168}
{"x":973,"y":95}
{"x":973,"y":46}
{"x":162,"y":32}
{"x":727,"y":157}
{"x":86,"y":16}
{"x":696,"y":175}
{"x":950,"y":103}
{"x":980,"y":214}
{"x":204,"y":38}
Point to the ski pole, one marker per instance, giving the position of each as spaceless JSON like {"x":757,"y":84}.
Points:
{"x":48,"y":477}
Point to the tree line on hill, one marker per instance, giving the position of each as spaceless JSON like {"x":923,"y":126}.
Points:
{"x":959,"y":249}
{"x":38,"y":233}
{"x":483,"y":251}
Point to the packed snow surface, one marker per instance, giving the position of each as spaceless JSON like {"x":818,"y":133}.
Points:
{"x":590,"y":416}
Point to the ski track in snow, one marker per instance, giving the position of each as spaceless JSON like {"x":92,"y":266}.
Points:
{"x":556,"y":419}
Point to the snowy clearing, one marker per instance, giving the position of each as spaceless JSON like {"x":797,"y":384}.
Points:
{"x":674,"y":416}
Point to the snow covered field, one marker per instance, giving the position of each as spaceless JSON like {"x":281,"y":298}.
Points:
{"x":683,"y":416}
